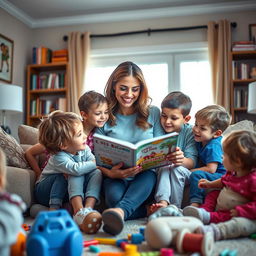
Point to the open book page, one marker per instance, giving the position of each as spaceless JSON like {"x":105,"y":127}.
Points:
{"x":149,"y":153}
{"x":111,"y":151}
{"x":153,"y":154}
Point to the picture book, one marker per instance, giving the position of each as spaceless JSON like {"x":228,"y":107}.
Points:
{"x":150,"y":153}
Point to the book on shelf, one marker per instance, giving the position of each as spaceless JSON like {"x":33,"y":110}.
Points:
{"x":41,"y":55}
{"x":149,"y":153}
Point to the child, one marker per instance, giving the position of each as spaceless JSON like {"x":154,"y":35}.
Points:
{"x":93,"y":108}
{"x":11,"y":208}
{"x":61,"y":133}
{"x":210,"y":123}
{"x":172,"y":178}
{"x":237,"y":197}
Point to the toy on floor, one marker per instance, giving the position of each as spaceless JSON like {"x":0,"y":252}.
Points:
{"x":176,"y":231}
{"x":18,"y":248}
{"x":54,"y":233}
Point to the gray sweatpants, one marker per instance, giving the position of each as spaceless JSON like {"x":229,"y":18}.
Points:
{"x":236,"y":227}
{"x":170,"y":184}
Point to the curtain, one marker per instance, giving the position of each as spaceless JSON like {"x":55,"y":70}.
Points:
{"x":78,"y":53}
{"x":219,"y":45}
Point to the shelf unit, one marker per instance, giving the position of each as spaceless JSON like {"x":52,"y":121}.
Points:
{"x":47,"y":90}
{"x":241,"y":63}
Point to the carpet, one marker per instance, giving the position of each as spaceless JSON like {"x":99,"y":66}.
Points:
{"x":244,"y":246}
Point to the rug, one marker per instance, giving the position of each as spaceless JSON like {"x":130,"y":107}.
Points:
{"x":243,"y":246}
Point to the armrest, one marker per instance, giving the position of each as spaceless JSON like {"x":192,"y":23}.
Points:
{"x":21,"y":182}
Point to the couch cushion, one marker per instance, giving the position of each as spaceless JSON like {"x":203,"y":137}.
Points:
{"x":28,"y":134}
{"x":242,"y":125}
{"x":13,"y":151}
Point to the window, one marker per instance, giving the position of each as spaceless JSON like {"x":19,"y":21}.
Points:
{"x":188,"y":72}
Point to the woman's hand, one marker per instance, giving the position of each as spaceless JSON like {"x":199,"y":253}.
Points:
{"x":117,"y":173}
{"x":176,"y":157}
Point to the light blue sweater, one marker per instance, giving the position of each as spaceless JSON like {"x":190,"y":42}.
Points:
{"x":126,"y":129}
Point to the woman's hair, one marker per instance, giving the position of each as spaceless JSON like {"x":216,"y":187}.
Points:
{"x":88,"y":99}
{"x":57,"y":129}
{"x":177,"y":100}
{"x":2,"y":168}
{"x":241,"y":145}
{"x":141,"y":106}
{"x":215,"y":116}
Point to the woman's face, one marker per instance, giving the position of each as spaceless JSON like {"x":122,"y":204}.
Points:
{"x":127,"y":91}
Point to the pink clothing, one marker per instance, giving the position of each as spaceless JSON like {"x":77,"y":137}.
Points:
{"x":244,"y":186}
{"x":89,"y":140}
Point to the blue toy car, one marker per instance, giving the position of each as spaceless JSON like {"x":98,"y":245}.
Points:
{"x":54,"y":233}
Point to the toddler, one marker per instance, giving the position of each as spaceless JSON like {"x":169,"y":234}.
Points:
{"x":61,"y":133}
{"x":210,"y":123}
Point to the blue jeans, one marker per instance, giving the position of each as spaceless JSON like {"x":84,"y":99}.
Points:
{"x":52,"y":191}
{"x":197,"y":194}
{"x":88,"y":185}
{"x":130,"y":195}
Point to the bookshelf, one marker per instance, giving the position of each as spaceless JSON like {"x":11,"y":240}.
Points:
{"x":47,"y":90}
{"x":242,"y":63}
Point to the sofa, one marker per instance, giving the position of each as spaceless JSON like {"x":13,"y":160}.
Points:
{"x":20,"y":177}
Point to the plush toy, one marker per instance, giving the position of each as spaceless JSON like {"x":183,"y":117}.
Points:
{"x":164,"y":232}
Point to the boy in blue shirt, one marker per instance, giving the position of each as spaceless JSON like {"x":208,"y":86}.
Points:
{"x":172,"y":179}
{"x":210,"y":123}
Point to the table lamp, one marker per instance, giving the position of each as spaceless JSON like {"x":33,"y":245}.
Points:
{"x":252,"y":98}
{"x":10,"y":102}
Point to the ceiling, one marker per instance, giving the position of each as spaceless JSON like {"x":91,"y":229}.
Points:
{"x":44,"y":13}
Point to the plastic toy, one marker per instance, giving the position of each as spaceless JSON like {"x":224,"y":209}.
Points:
{"x":90,"y":242}
{"x":93,"y":248}
{"x":170,"y":231}
{"x":54,"y":233}
{"x":18,"y":248}
{"x":228,"y":252}
{"x":110,"y":241}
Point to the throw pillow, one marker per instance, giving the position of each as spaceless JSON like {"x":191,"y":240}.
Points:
{"x":28,"y":134}
{"x":13,"y":151}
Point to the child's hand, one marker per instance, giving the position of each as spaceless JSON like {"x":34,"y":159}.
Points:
{"x":176,"y":157}
{"x":233,"y":212}
{"x":203,"y":183}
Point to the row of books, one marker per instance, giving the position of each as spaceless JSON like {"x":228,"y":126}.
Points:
{"x":60,"y":55}
{"x":243,"y":46}
{"x":240,"y":97}
{"x":241,"y":70}
{"x":47,"y":81}
{"x":41,"y":55}
{"x":44,"y":106}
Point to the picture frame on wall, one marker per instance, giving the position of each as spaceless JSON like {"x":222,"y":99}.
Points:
{"x":6,"y":58}
{"x":252,"y":32}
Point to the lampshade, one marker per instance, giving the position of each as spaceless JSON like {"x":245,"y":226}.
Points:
{"x":11,"y":99}
{"x":252,"y":98}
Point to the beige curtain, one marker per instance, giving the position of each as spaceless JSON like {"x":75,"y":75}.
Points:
{"x":219,"y":45}
{"x":78,"y":53}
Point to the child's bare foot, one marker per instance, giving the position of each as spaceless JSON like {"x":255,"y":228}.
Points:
{"x":195,"y":205}
{"x":154,"y":207}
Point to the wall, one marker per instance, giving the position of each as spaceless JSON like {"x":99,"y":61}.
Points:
{"x":52,"y":36}
{"x":25,"y":38}
{"x":21,"y":35}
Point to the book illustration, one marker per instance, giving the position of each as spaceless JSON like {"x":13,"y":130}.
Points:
{"x":150,"y":153}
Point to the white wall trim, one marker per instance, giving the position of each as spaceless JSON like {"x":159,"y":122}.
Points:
{"x":247,"y":5}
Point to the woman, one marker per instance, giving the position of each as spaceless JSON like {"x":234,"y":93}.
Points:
{"x":131,"y":118}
